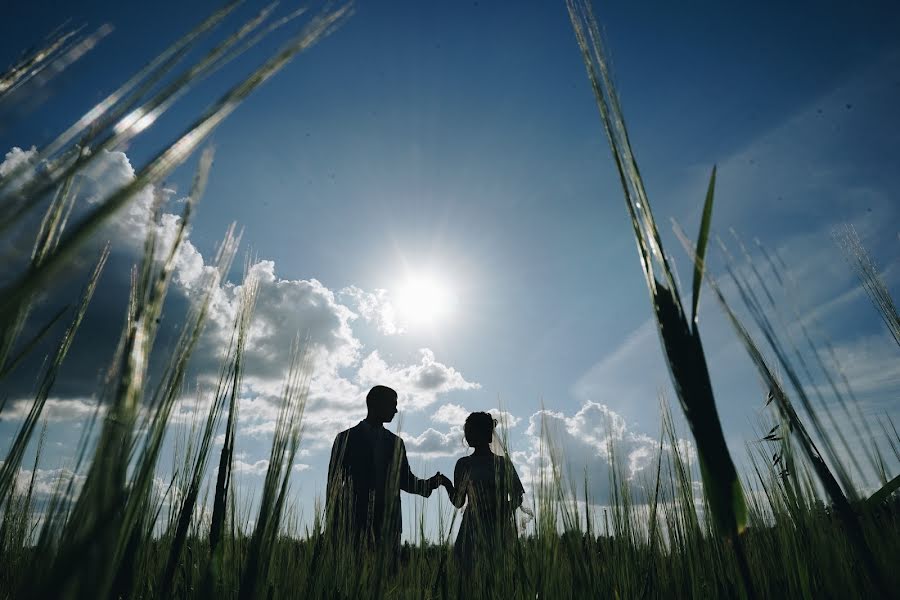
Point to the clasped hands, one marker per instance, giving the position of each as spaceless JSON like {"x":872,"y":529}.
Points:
{"x":439,"y":479}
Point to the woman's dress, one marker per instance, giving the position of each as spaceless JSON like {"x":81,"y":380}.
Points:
{"x":492,"y":491}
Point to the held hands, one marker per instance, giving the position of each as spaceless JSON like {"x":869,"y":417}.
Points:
{"x":439,"y":479}
{"x":434,"y":481}
{"x":445,"y":481}
{"x":451,"y":491}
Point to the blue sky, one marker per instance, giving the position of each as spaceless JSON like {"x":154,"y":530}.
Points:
{"x":461,"y":142}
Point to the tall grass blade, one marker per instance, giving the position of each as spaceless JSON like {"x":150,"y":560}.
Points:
{"x":885,"y":492}
{"x":164,"y":162}
{"x":285,"y":443}
{"x":867,"y":272}
{"x":90,"y":539}
{"x":98,"y":118}
{"x":680,"y":338}
{"x":23,"y":436}
{"x":829,"y":482}
{"x":38,"y":68}
{"x":29,"y":63}
{"x":227,"y":390}
{"x":167,"y":392}
{"x":702,"y":240}
{"x":28,"y":346}
{"x":771,"y":333}
{"x":51,"y":227}
{"x":832,"y":371}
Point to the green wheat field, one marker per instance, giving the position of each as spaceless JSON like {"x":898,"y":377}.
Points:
{"x":797,"y":528}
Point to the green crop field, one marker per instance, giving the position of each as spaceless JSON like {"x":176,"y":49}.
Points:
{"x":797,"y":527}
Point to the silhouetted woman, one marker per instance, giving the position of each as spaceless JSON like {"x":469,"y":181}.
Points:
{"x":490,"y":489}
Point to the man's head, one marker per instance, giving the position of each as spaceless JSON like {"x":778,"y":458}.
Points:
{"x":381,"y":402}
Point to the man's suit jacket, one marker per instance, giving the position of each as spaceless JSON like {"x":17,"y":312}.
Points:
{"x":355,"y":502}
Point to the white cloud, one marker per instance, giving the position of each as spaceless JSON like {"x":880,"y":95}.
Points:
{"x":454,"y":414}
{"x":335,"y":402}
{"x":189,"y":410}
{"x":285,"y":307}
{"x":55,"y":409}
{"x":48,"y":483}
{"x":15,"y":158}
{"x":504,"y":418}
{"x":433,"y":444}
{"x":375,"y":307}
{"x":451,"y":414}
{"x":108,"y":172}
{"x":581,"y":443}
{"x":257,"y":468}
{"x":417,"y":385}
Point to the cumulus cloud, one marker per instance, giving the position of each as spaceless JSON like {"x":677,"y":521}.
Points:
{"x":15,"y":158}
{"x":285,"y":308}
{"x":335,"y":402}
{"x":586,"y":444}
{"x":257,"y":468}
{"x":48,"y":483}
{"x":451,"y":414}
{"x":55,"y":409}
{"x":374,"y":307}
{"x":432,"y":443}
{"x":417,"y":385}
{"x":454,"y":414}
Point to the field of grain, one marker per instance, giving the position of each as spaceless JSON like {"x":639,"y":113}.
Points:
{"x":797,"y":527}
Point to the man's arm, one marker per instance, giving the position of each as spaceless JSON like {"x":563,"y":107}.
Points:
{"x":409,"y":483}
{"x":335,"y":471}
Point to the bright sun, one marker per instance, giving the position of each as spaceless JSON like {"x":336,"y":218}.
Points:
{"x":425,"y":300}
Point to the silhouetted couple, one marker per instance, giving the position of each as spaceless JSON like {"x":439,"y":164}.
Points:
{"x":368,"y":468}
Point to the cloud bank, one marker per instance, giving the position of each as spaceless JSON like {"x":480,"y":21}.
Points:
{"x":343,"y":368}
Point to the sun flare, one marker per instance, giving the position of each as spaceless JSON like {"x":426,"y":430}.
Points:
{"x":424,"y":299}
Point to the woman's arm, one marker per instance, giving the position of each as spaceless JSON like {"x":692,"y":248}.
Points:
{"x":456,"y":489}
{"x":517,"y":499}
{"x":517,"y":490}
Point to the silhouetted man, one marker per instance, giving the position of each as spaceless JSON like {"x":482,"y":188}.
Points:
{"x":368,"y":468}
